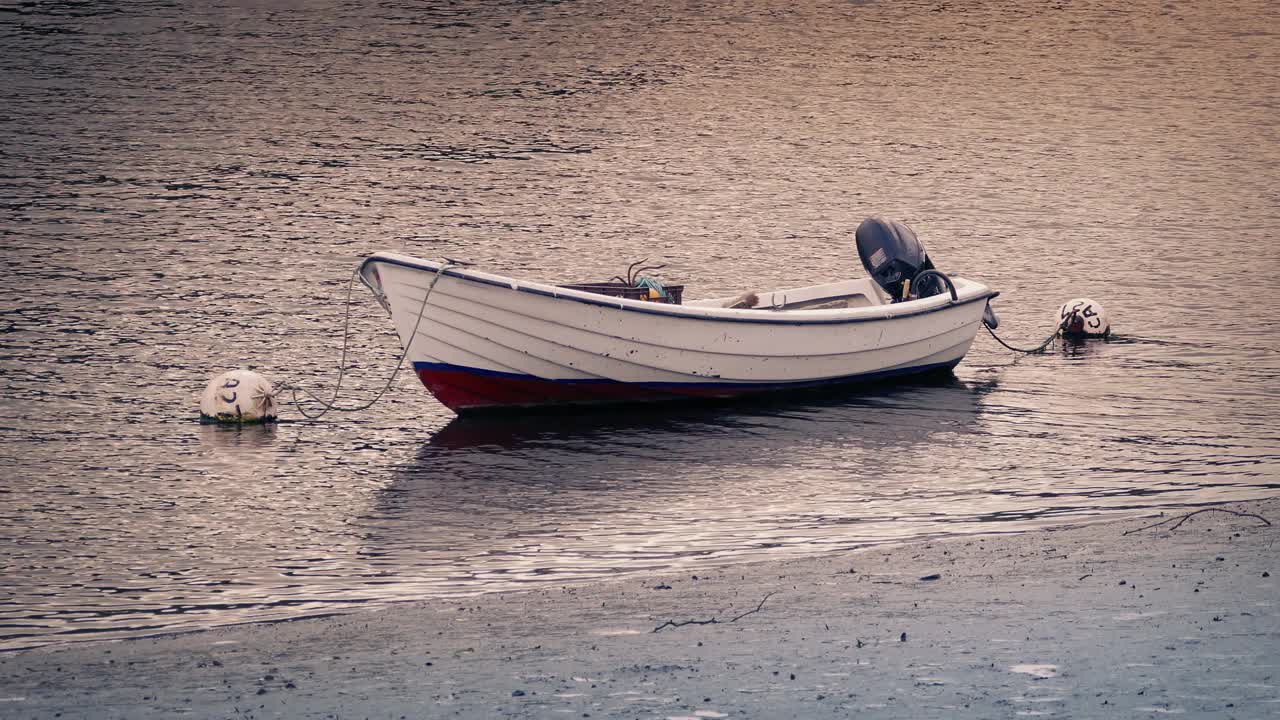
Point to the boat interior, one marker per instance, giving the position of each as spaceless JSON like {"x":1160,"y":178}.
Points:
{"x":860,"y":292}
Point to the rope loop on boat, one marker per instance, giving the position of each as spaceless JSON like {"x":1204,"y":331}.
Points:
{"x":951,"y":286}
{"x":332,"y":403}
{"x":1030,"y":351}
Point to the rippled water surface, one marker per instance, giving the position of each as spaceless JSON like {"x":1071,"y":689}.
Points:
{"x":185,"y":188}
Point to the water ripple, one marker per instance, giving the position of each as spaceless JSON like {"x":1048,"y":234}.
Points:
{"x":185,"y":187}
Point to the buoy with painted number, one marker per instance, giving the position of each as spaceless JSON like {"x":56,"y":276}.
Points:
{"x":238,"y":397}
{"x":1084,"y":318}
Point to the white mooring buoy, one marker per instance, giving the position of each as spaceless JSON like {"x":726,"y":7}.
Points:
{"x":1084,"y":318}
{"x":238,"y":397}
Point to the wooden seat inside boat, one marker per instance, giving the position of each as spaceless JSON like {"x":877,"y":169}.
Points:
{"x":861,"y":292}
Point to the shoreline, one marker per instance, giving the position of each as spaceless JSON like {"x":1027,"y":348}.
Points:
{"x":80,"y":638}
{"x":1075,"y":620}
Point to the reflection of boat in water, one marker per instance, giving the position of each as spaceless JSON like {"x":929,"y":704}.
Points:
{"x":921,"y":407}
{"x":690,"y":452}
{"x":479,"y":340}
{"x":491,"y":502}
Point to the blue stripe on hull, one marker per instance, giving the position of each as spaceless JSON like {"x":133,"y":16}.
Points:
{"x":748,"y":386}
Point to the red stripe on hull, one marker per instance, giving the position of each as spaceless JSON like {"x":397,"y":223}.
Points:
{"x":461,"y":390}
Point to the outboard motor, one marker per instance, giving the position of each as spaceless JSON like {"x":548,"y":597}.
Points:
{"x":894,"y":256}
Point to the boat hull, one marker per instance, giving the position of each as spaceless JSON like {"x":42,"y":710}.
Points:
{"x":480,"y":341}
{"x":465,"y":389}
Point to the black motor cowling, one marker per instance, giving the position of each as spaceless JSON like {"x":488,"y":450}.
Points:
{"x":892,"y":255}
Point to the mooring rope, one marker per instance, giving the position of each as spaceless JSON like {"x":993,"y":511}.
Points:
{"x":1039,"y":348}
{"x":332,"y":403}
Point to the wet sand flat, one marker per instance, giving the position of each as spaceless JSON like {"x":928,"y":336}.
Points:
{"x":1083,"y":621}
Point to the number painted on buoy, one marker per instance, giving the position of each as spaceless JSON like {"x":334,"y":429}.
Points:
{"x":238,"y":397}
{"x":1082,"y":317}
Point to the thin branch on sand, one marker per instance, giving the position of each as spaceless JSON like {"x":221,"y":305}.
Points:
{"x":712,"y":621}
{"x":1183,"y":518}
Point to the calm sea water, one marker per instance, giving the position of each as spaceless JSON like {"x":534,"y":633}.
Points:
{"x":185,"y":188}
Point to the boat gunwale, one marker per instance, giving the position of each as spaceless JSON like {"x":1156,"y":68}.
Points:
{"x":934,"y":304}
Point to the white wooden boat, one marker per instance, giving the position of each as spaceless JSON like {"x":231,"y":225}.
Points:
{"x":482,"y":340}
